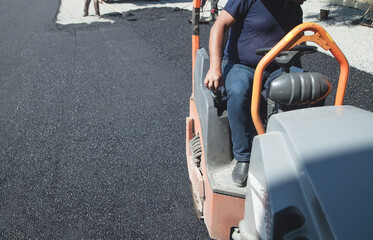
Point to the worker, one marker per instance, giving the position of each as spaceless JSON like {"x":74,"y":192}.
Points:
{"x":214,"y":12}
{"x":95,"y":4}
{"x":253,"y":24}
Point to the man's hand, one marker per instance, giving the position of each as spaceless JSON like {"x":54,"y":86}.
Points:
{"x":214,"y":79}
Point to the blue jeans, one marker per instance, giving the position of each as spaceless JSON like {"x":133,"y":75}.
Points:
{"x":238,"y":89}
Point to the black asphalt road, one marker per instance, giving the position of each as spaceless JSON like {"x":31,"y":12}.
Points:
{"x":91,"y":130}
{"x":92,"y":121}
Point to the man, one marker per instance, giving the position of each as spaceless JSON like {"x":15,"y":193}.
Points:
{"x":95,"y":4}
{"x":214,"y":12}
{"x":253,"y":24}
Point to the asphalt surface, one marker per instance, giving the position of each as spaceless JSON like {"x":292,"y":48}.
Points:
{"x":92,"y":124}
{"x":92,"y":132}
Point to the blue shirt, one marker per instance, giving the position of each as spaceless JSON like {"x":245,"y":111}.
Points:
{"x":259,"y":24}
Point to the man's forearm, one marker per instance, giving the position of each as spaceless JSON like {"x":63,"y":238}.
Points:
{"x":214,"y":78}
{"x":216,"y":45}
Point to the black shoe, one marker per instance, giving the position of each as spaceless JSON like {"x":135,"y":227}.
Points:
{"x":85,"y":14}
{"x":239,"y":174}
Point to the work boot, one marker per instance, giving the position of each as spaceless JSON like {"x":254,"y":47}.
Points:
{"x":239,"y":174}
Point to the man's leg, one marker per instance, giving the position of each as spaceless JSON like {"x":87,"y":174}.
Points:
{"x":97,"y":7}
{"x":238,"y":86}
{"x":86,"y":7}
{"x":214,"y":9}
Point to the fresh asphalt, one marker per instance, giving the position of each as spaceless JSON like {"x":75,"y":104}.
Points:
{"x":92,"y":121}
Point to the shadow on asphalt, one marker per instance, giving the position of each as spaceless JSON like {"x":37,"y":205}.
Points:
{"x":129,"y":16}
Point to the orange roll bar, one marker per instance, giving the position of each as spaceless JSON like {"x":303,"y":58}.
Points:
{"x":293,"y":38}
{"x":195,"y":47}
{"x":195,"y":35}
{"x":195,"y":25}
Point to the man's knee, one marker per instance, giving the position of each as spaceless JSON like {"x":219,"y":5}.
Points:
{"x":236,"y":91}
{"x":238,"y":80}
{"x":238,"y":88}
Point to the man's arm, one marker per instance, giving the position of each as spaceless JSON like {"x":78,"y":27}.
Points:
{"x":214,"y":77}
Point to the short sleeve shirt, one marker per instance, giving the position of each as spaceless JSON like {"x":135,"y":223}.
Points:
{"x":259,"y":24}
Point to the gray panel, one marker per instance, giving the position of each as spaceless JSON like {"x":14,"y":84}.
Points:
{"x":273,"y":185}
{"x":215,"y":129}
{"x":319,"y":160}
{"x":334,"y":148}
{"x":215,"y":133}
